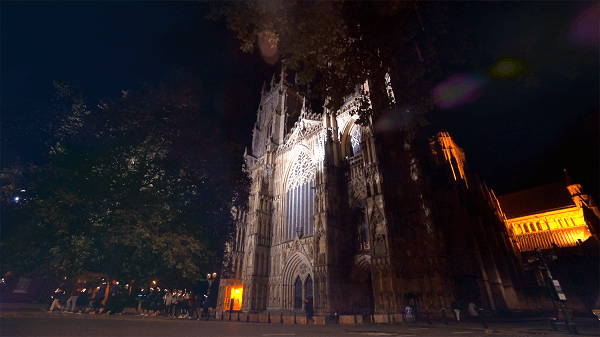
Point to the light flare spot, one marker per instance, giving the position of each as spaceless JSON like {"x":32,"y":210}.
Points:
{"x":267,"y":43}
{"x":457,"y":90}
{"x":584,"y":29}
{"x":507,"y":68}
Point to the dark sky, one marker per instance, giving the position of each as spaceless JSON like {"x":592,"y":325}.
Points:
{"x":517,"y":133}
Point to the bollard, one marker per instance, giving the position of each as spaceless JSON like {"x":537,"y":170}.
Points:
{"x":427,"y":313}
{"x":444,"y":314}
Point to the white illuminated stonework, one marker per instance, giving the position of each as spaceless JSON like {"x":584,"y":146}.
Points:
{"x":328,"y":222}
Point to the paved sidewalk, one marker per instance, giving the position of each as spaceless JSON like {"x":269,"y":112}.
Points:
{"x":23,"y":306}
{"x":497,"y":326}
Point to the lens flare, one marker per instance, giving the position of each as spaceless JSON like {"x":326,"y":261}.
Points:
{"x":506,"y":68}
{"x":457,"y":90}
{"x":267,"y":42}
{"x":584,"y":29}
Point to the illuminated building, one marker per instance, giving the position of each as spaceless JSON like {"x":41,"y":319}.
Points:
{"x":361,"y":226}
{"x":549,"y":216}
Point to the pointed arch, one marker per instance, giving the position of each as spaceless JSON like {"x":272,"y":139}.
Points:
{"x":298,"y":267}
{"x":351,"y":138}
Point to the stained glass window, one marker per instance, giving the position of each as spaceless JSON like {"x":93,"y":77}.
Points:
{"x":300,"y":198}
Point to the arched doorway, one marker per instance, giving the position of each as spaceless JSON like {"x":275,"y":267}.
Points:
{"x":309,"y":288}
{"x":298,"y":293}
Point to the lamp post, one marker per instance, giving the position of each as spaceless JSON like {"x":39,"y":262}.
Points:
{"x":555,"y":290}
{"x":210,"y":278}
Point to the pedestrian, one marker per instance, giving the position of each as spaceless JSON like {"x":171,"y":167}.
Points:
{"x":456,"y":308}
{"x":78,"y":289}
{"x":183,"y":306}
{"x":99,"y":298}
{"x":155,"y":299}
{"x":58,"y":294}
{"x":91,"y":297}
{"x":141,"y":298}
{"x":168,"y":300}
{"x":191,"y":302}
{"x":473,"y":310}
{"x":308,"y":308}
{"x":83,"y":298}
{"x":205,"y":305}
{"x":113,"y":297}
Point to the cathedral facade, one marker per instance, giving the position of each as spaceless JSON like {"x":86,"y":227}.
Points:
{"x":349,"y":223}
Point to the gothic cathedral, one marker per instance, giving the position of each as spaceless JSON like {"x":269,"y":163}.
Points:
{"x":337,"y":221}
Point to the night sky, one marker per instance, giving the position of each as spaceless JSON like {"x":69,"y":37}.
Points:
{"x":517,"y":132}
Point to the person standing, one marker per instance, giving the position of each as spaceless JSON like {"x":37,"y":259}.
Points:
{"x":456,"y":308}
{"x":308,"y":308}
{"x":113,"y":297}
{"x":205,"y":305}
{"x":168,"y":300}
{"x":473,"y":310}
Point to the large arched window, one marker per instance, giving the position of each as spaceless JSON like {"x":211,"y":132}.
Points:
{"x":300,"y":197}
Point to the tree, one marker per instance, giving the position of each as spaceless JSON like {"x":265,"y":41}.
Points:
{"x":334,"y":47}
{"x":138,"y":188}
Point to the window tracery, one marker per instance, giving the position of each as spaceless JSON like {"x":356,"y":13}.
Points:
{"x":355,"y":141}
{"x":300,"y":197}
{"x":303,"y":171}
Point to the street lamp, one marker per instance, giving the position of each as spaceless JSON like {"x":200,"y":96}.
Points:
{"x":210,"y":278}
{"x":555,"y":290}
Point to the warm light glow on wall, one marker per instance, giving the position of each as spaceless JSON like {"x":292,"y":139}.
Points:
{"x":236,"y":296}
{"x":453,"y":156}
{"x":562,"y":227}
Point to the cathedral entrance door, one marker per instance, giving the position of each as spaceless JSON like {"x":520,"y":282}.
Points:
{"x":309,"y":288}
{"x":298,"y":293}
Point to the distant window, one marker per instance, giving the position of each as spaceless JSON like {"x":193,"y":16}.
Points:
{"x":539,"y":226}
{"x":526,"y":228}
{"x":355,"y":141}
{"x":532,"y":227}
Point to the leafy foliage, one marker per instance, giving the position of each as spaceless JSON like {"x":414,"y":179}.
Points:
{"x":141,"y":187}
{"x":335,"y":46}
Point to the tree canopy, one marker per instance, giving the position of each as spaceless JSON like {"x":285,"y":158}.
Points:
{"x":138,"y":187}
{"x":335,"y":46}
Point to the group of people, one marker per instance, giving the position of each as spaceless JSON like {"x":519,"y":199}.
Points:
{"x":175,"y":303}
{"x":472,"y":309}
{"x":110,"y":298}
{"x":84,"y":297}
